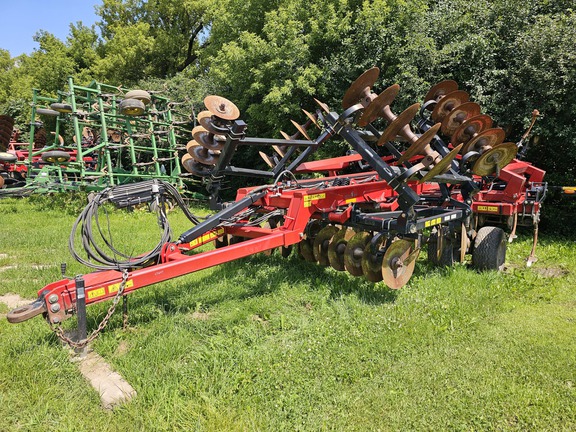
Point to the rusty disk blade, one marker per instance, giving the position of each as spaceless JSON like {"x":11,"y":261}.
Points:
{"x":440,"y":90}
{"x":205,"y":120}
{"x":191,"y":144}
{"x":279,"y":150}
{"x":202,"y":155}
{"x":1,"y":182}
{"x":301,"y":130}
{"x":312,"y":118}
{"x":354,"y":252}
{"x":338,"y":246}
{"x":458,"y":116}
{"x":442,"y":166}
{"x":398,"y":263}
{"x":471,"y":127}
{"x":419,"y":145}
{"x":305,"y":250}
{"x":360,"y":88}
{"x":321,"y":243}
{"x":221,"y":107}
{"x":448,"y":103}
{"x":396,"y":126}
{"x":375,"y":108}
{"x":372,"y":264}
{"x":195,"y":167}
{"x":206,"y":139}
{"x":267,"y":159}
{"x":489,"y":137}
{"x":322,"y":105}
{"x":495,"y":159}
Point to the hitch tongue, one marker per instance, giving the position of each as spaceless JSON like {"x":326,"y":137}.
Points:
{"x":23,"y":313}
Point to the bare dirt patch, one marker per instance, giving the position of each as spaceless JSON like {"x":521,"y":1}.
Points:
{"x":551,"y":272}
{"x":14,"y":300}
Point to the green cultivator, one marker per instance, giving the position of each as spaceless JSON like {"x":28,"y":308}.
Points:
{"x":117,"y":137}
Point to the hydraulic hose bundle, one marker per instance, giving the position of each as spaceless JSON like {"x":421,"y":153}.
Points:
{"x":97,"y":240}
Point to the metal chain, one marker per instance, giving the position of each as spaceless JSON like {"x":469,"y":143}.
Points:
{"x":59,"y":331}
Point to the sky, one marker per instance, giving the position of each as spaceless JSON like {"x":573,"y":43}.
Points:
{"x":21,"y":19}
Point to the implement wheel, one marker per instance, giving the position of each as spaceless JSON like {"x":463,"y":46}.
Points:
{"x":489,"y":249}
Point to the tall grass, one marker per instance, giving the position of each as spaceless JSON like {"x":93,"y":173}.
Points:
{"x":267,"y":343}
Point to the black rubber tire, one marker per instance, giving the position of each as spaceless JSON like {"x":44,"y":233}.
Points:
{"x":489,"y":249}
{"x":55,"y":156}
{"x":61,"y":107}
{"x":132,"y":107}
{"x":47,"y":112}
{"x":141,"y":95}
{"x":7,"y":157}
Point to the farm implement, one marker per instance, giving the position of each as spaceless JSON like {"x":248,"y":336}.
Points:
{"x":451,"y":185}
{"x":117,"y":136}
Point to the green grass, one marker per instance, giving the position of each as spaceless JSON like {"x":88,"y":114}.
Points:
{"x":275,"y":344}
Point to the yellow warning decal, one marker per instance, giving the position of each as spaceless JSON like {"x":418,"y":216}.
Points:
{"x":208,"y":237}
{"x":489,"y":209}
{"x":433,"y":222}
{"x":115,"y":287}
{"x":95,"y":293}
{"x":351,"y":200}
{"x":309,"y":198}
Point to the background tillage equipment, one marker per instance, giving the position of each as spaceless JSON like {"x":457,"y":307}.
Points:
{"x":101,"y":136}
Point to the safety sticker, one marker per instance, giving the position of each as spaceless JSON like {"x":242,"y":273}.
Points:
{"x":433,"y":222}
{"x":95,"y":293}
{"x":309,"y":198}
{"x":115,"y":287}
{"x":488,"y":209}
{"x":208,"y":237}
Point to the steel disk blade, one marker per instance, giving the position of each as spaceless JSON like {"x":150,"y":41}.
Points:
{"x":205,"y":120}
{"x":467,"y":130}
{"x":396,"y":126}
{"x":360,"y":87}
{"x":354,"y":252}
{"x":221,"y":107}
{"x":371,"y":264}
{"x":337,"y":247}
{"x":448,"y":103}
{"x":442,"y":166}
{"x":321,"y":244}
{"x":458,"y":116}
{"x":486,"y":138}
{"x":305,"y":250}
{"x":206,"y":139}
{"x":419,"y":145}
{"x":441,"y":89}
{"x":398,"y":264}
{"x":375,"y":108}
{"x":495,"y":159}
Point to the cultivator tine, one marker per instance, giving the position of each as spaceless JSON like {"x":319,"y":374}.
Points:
{"x":532,"y":258}
{"x":279,"y":151}
{"x":512,"y":235}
